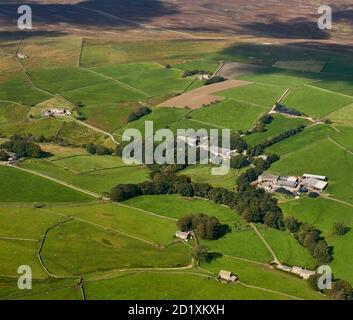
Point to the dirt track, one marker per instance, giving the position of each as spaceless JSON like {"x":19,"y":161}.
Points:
{"x":200,"y":97}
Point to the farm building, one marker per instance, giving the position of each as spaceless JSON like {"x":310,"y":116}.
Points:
{"x":308,"y":175}
{"x":186,"y":236}
{"x":303,"y":273}
{"x":22,"y":56}
{"x":56,"y":112}
{"x":227,"y":276}
{"x":267,"y":177}
{"x":12,"y":157}
{"x":314,"y":184}
{"x":291,"y":182}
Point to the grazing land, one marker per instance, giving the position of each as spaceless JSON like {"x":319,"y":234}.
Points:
{"x":116,"y":64}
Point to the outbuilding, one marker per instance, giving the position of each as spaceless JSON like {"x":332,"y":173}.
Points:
{"x":227,"y":276}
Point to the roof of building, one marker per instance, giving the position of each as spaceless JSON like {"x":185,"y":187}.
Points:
{"x":268,"y":177}
{"x":182,"y":234}
{"x":314,"y":183}
{"x":227,"y":275}
{"x":309,"y":175}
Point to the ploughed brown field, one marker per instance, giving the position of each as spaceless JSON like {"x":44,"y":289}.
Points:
{"x":200,"y":97}
{"x":234,"y":69}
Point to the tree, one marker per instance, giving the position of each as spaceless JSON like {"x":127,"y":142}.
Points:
{"x":239,"y":162}
{"x":185,"y":223}
{"x":313,"y":281}
{"x":292,"y":224}
{"x":3,"y":155}
{"x":341,"y":290}
{"x":101,"y":150}
{"x":200,"y":253}
{"x":322,"y":252}
{"x":124,"y":192}
{"x":340,"y":229}
{"x":91,"y":148}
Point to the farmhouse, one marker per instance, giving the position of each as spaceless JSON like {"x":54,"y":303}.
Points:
{"x":303,"y":273}
{"x":227,"y":276}
{"x":12,"y":157}
{"x":186,"y":236}
{"x":56,"y":112}
{"x":314,"y":184}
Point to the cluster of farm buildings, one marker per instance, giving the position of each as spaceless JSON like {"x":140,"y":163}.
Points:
{"x":215,"y":151}
{"x":12,"y":157}
{"x":56,"y":112}
{"x":294,"y":184}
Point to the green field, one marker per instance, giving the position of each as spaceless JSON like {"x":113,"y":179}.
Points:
{"x":20,"y":90}
{"x":175,"y":207}
{"x":99,"y":180}
{"x":75,"y":248}
{"x":279,"y":125}
{"x":315,"y":102}
{"x":343,"y":116}
{"x":229,"y":113}
{"x":280,"y":78}
{"x":52,"y":79}
{"x":12,"y":112}
{"x":259,"y":94}
{"x":31,"y":188}
{"x":153,"y":79}
{"x":202,"y":174}
{"x":323,"y":214}
{"x":169,"y":286}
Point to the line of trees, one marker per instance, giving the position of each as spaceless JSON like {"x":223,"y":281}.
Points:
{"x":99,"y":150}
{"x":143,"y":111}
{"x":311,"y":239}
{"x":259,"y":149}
{"x":189,"y":73}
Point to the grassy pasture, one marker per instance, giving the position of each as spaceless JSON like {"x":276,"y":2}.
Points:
{"x":64,"y":79}
{"x":324,"y":158}
{"x":243,"y":243}
{"x":129,"y":220}
{"x":277,"y":77}
{"x":100,"y":181}
{"x":22,"y":187}
{"x":287,"y":248}
{"x":51,"y":289}
{"x":308,"y":137}
{"x":314,"y":101}
{"x":15,"y":253}
{"x":25,"y":222}
{"x":170,"y":286}
{"x":258,"y":94}
{"x":344,"y":137}
{"x":342,"y":69}
{"x":230,"y":114}
{"x":48,"y":127}
{"x":341,"y":85}
{"x":12,"y":112}
{"x":103,"y":52}
{"x":18,"y":89}
{"x":75,"y":248}
{"x":343,"y":116}
{"x":323,"y":214}
{"x":309,"y":65}
{"x":204,"y":65}
{"x":279,"y":124}
{"x":202,"y":174}
{"x":174,"y":206}
{"x":51,"y":52}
